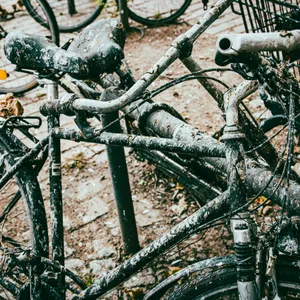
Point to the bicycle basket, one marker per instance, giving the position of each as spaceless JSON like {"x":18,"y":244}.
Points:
{"x":268,"y":15}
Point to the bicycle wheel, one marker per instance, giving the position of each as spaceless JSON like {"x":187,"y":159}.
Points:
{"x":23,"y":226}
{"x":71,"y":15}
{"x":156,"y":12}
{"x":19,"y":82}
{"x":221,"y":284}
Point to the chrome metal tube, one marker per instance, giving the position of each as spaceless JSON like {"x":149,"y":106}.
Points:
{"x":233,"y":97}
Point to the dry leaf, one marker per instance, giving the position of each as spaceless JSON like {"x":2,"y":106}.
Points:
{"x":173,"y":270}
{"x":10,"y":106}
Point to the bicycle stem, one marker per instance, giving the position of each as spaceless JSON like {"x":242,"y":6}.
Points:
{"x":232,"y":99}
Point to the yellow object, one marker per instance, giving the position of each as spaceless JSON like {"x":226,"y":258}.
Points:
{"x":3,"y":74}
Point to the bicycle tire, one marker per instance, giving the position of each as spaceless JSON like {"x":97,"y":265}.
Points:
{"x":90,"y":14}
{"x":158,"y":13}
{"x":54,"y":35}
{"x":27,"y":183}
{"x":221,"y":284}
{"x":50,"y":22}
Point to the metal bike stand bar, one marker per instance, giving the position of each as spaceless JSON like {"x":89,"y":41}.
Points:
{"x":123,"y":13}
{"x":121,"y":186}
{"x":56,"y":187}
{"x":71,"y":7}
{"x":124,"y":20}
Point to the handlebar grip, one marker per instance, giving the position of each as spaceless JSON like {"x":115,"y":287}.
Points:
{"x":234,"y":44}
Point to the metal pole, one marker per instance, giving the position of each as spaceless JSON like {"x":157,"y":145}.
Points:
{"x":123,"y":13}
{"x":71,"y":7}
{"x":121,"y":186}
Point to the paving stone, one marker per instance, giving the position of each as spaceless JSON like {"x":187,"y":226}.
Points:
{"x":106,"y":252}
{"x":146,"y":214}
{"x":100,"y":267}
{"x":144,"y":278}
{"x":102,"y":249}
{"x":87,"y":211}
{"x":74,"y":264}
{"x":68,"y":250}
{"x":115,"y":231}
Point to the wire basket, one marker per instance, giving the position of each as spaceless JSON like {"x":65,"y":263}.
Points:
{"x":268,"y":15}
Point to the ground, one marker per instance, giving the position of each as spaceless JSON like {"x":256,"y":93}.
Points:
{"x":92,"y":236}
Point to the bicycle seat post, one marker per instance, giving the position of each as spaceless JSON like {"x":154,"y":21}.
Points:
{"x":55,"y":183}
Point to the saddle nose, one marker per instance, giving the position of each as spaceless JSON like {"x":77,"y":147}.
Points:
{"x":36,"y":52}
{"x":97,"y":50}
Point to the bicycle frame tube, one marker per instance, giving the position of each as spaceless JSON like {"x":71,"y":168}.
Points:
{"x":136,"y":141}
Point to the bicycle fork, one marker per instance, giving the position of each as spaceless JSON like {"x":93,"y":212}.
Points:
{"x":249,"y":264}
{"x":240,"y":222}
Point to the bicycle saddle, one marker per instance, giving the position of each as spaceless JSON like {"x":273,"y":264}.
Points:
{"x":97,"y":49}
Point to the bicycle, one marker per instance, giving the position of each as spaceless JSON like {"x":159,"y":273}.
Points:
{"x":72,"y":16}
{"x":27,"y":82}
{"x":180,"y":137}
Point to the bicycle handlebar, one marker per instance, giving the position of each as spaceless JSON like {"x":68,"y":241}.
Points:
{"x":230,"y":44}
{"x":234,"y":44}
